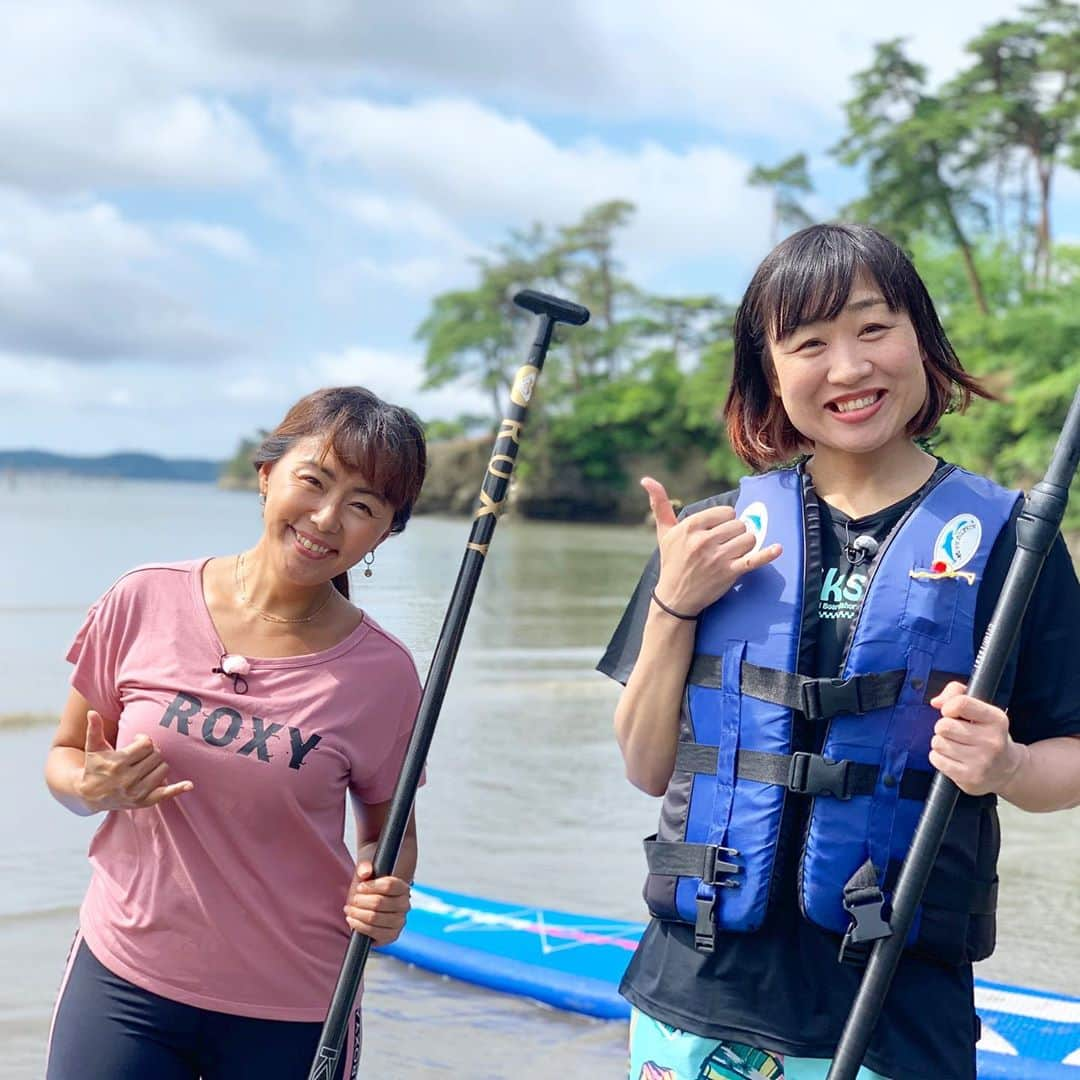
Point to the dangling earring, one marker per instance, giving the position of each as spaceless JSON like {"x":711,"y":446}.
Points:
{"x":369,"y":562}
{"x":262,"y":500}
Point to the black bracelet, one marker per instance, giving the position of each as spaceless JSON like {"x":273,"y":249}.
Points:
{"x":671,"y":611}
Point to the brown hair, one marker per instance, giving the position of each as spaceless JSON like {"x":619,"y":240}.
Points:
{"x":384,"y":442}
{"x":807,"y":279}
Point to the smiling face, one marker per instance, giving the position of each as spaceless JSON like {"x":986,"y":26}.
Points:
{"x":852,"y":384}
{"x":320,"y":518}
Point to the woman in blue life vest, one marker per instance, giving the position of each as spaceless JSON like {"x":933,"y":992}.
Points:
{"x":794,"y":659}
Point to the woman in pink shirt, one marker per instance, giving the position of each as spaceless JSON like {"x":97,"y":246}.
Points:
{"x":220,"y":711}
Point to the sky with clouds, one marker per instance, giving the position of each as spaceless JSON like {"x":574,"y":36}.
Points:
{"x":209,"y":209}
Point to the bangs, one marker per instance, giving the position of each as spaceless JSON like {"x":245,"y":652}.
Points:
{"x":371,"y":447}
{"x":383,"y":442}
{"x":806,"y":279}
{"x":812,"y":280}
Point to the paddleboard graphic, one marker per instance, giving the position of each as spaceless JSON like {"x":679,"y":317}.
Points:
{"x":575,"y":962}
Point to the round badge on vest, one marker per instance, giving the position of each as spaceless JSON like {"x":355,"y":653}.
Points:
{"x":756,"y":518}
{"x":957,"y":542}
{"x":954,"y":548}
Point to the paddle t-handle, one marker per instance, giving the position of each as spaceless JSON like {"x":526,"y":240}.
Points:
{"x":551,"y":310}
{"x":554,"y":307}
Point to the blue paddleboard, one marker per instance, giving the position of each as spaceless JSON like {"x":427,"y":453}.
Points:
{"x":575,"y":962}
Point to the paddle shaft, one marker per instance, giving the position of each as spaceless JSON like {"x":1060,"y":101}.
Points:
{"x":492,"y":497}
{"x":1036,"y":527}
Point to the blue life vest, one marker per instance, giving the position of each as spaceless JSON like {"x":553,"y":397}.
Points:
{"x":752,"y":721}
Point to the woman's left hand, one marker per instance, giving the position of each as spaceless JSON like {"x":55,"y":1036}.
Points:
{"x":377,"y":907}
{"x":971,"y":744}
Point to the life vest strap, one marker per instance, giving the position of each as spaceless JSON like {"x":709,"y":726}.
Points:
{"x":865,"y":903}
{"x":864,"y":900}
{"x":803,"y":773}
{"x":816,"y":699}
{"x":674,"y":858}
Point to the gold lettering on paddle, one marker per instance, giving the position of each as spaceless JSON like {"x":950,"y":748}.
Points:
{"x":524,"y":382}
{"x":495,"y":471}
{"x":511,"y":429}
{"x":488,"y":505}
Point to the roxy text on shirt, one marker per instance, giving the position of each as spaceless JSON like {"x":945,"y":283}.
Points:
{"x":222,"y":727}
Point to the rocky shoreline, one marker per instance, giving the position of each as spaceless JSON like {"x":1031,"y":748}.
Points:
{"x":456,"y":470}
{"x":457,"y":467}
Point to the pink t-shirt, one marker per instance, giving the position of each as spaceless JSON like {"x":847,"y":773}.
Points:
{"x":229,"y":897}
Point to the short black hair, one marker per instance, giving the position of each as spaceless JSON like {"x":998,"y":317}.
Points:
{"x":806,"y":279}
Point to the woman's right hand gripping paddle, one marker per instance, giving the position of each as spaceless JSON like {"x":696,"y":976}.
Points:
{"x":703,"y":555}
{"x":131,"y":778}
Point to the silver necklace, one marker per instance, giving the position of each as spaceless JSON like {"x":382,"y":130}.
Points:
{"x":269,"y":616}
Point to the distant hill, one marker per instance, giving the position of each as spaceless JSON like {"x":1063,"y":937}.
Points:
{"x":125,"y":466}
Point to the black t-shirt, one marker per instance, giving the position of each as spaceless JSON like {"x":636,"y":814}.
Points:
{"x":844,"y":575}
{"x":782,"y":987}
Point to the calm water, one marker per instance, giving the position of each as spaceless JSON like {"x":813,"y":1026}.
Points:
{"x":525,"y":799}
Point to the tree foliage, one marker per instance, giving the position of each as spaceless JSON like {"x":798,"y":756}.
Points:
{"x":238,"y":471}
{"x":1018,"y":99}
{"x":961,"y":174}
{"x":787,"y":180}
{"x":909,"y":141}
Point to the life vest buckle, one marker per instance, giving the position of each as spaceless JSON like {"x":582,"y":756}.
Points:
{"x":715,"y":866}
{"x":812,"y":774}
{"x":868,"y":920}
{"x":824,"y":698}
{"x":864,"y":901}
{"x":712,"y":871}
{"x":867,"y":926}
{"x":705,"y":926}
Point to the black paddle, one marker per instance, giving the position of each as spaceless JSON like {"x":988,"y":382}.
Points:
{"x":551,"y":310}
{"x":1036,"y":528}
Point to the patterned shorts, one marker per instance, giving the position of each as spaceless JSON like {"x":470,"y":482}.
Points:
{"x":660,"y":1052}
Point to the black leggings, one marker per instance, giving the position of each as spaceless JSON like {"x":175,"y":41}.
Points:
{"x":107,"y":1029}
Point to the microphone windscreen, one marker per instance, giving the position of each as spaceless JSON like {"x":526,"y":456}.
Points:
{"x":866,"y":544}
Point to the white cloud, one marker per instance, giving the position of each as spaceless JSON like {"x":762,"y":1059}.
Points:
{"x":776,"y":64}
{"x":120,"y":94}
{"x":222,"y":240}
{"x":251,"y":389}
{"x":177,"y":143}
{"x":470,"y":164}
{"x":476,"y":43}
{"x":34,"y":381}
{"x":79,"y":280}
{"x":52,"y":381}
{"x":92,"y":95}
{"x":407,"y":217}
{"x":424,"y":275}
{"x":395,"y":376}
